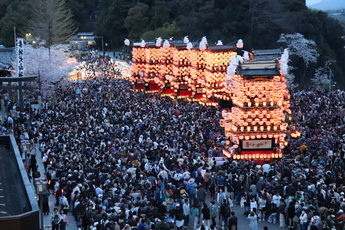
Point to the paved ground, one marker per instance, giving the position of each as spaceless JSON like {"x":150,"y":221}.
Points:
{"x":243,"y":223}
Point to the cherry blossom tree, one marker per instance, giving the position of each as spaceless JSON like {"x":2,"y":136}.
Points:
{"x":51,"y":68}
{"x":323,"y":76}
{"x":303,"y":52}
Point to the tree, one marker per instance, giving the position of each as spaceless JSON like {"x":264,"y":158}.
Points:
{"x":82,"y":11}
{"x":52,"y":22}
{"x":111,"y":22}
{"x":304,"y":51}
{"x":323,"y":76}
{"x":137,"y":21}
{"x":16,"y":15}
{"x":51,"y":67}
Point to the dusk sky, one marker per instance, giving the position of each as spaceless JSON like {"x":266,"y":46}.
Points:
{"x":311,"y":2}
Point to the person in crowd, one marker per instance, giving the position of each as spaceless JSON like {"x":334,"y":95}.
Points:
{"x":232,"y":221}
{"x":64,"y":220}
{"x":56,"y":219}
{"x":253,"y":220}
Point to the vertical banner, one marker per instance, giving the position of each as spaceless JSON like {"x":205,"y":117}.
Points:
{"x":20,"y":55}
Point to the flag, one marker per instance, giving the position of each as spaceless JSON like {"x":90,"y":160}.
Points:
{"x":72,"y":60}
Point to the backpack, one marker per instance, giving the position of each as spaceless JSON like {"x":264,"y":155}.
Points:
{"x":226,"y":210}
{"x":55,"y":220}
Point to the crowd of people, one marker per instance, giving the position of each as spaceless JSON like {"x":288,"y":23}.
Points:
{"x":118,"y":159}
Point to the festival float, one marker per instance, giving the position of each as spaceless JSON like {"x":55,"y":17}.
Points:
{"x":256,"y":124}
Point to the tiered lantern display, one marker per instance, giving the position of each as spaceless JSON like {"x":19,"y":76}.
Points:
{"x":138,"y":67}
{"x":152,"y":67}
{"x":217,"y":59}
{"x":256,"y":122}
{"x":166,"y":71}
{"x":197,"y":75}
{"x":181,"y":70}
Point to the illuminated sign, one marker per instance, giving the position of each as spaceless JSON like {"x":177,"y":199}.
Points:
{"x":257,"y":144}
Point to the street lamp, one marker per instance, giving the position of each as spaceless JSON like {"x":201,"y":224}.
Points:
{"x":41,"y":186}
{"x":107,"y":45}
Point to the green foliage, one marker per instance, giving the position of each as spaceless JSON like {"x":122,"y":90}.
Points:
{"x":111,"y":22}
{"x":16,"y":16}
{"x":153,"y":34}
{"x":137,"y":21}
{"x":82,"y":10}
{"x":3,"y":6}
{"x":171,"y":28}
{"x":159,"y":14}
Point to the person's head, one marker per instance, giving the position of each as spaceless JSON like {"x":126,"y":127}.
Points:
{"x":56,"y":210}
{"x":232,"y":213}
{"x":265,"y":228}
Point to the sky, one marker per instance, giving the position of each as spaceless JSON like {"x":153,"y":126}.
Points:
{"x":311,"y":2}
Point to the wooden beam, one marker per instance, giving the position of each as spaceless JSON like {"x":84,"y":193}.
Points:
{"x":18,"y":79}
{"x":17,"y":87}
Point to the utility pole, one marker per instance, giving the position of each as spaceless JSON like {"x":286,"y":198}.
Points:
{"x":102,"y":43}
{"x":330,"y":81}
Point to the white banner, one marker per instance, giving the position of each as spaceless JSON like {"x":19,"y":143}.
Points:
{"x":20,"y":57}
{"x":257,"y":144}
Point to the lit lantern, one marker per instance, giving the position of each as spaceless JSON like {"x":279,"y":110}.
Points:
{"x":247,"y":137}
{"x":252,"y":137}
